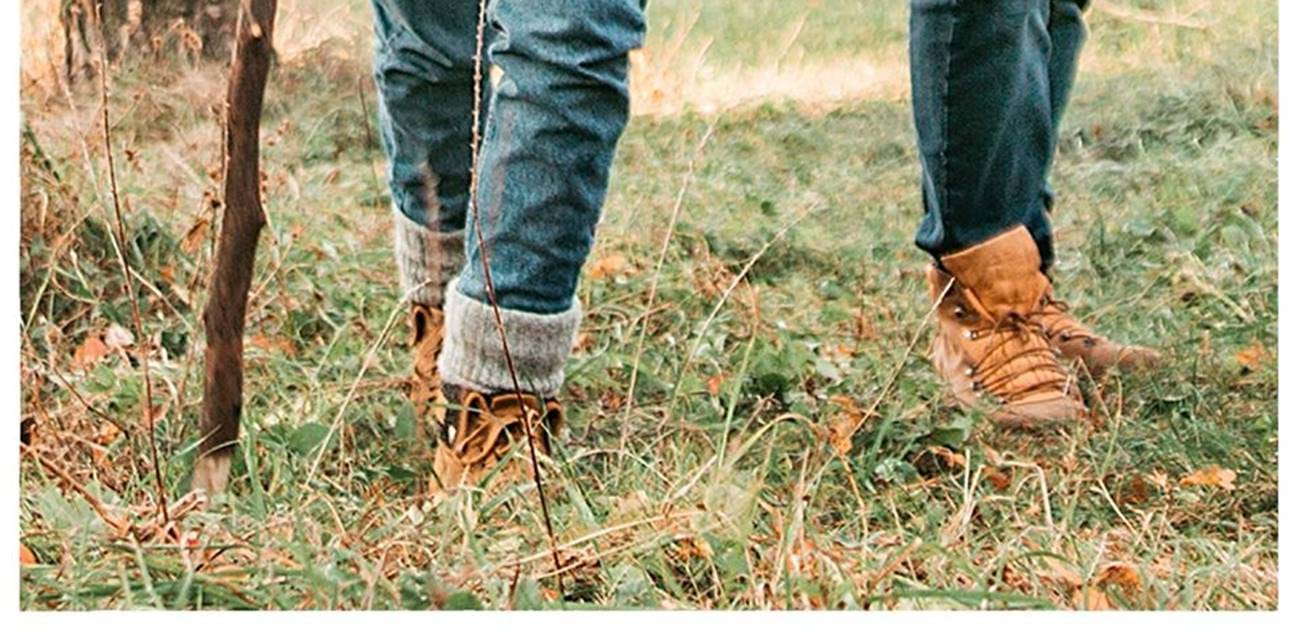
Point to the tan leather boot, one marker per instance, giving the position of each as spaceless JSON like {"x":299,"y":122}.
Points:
{"x":1077,"y":343}
{"x":482,"y":431}
{"x":426,"y":344}
{"x":988,"y":347}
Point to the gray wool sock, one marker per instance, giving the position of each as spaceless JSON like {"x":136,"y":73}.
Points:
{"x":426,"y":255}
{"x":472,"y":356}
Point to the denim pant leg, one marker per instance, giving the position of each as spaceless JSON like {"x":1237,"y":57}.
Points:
{"x":982,"y":103}
{"x":554,"y":122}
{"x":1068,"y":32}
{"x":424,"y":71}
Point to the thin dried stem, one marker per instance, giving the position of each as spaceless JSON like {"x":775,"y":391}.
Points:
{"x":119,"y":246}
{"x":476,"y":118}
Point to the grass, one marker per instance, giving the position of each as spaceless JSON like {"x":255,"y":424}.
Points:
{"x":717,"y":485}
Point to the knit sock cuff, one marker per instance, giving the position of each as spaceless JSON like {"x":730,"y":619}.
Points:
{"x":472,"y":356}
{"x":426,"y":259}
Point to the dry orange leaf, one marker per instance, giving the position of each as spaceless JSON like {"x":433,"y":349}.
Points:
{"x":25,"y":555}
{"x":1116,"y":575}
{"x":715,"y":383}
{"x":1213,"y":475}
{"x":272,"y":345}
{"x":999,"y":479}
{"x":107,"y":433}
{"x":607,"y":266}
{"x":90,"y":351}
{"x":844,"y":423}
{"x":1120,"y":575}
{"x":195,"y":236}
{"x":1252,"y":356}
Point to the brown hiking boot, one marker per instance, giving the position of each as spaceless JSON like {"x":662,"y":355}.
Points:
{"x":482,"y":429}
{"x":988,"y":348}
{"x":1077,"y":343}
{"x":426,"y":344}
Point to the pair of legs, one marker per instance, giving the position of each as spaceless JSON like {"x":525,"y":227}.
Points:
{"x":990,"y":83}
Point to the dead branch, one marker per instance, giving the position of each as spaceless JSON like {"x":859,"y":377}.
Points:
{"x":242,"y":221}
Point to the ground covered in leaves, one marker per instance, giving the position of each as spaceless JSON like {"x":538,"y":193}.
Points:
{"x":784,"y":444}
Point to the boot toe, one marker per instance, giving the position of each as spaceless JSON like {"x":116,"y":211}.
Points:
{"x":1139,"y":358}
{"x":1040,"y":414}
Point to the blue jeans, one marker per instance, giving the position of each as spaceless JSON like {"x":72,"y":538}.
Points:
{"x":549,"y":132}
{"x":551,"y":127}
{"x":990,"y":82}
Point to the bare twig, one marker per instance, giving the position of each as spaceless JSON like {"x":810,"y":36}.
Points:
{"x":476,"y":118}
{"x":119,"y":240}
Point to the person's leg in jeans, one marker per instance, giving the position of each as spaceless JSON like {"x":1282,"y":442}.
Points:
{"x":990,"y":82}
{"x":424,"y":72}
{"x":552,"y":128}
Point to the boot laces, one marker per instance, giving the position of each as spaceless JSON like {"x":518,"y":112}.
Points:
{"x":485,"y":426}
{"x":1056,"y":321}
{"x":1002,"y":373}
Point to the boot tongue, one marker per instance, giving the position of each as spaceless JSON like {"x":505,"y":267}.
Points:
{"x":1003,"y":273}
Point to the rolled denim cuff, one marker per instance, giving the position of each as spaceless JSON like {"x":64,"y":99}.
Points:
{"x":426,"y":259}
{"x":472,"y":356}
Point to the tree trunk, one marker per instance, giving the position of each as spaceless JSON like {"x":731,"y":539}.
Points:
{"x":242,"y":221}
{"x":190,"y":28}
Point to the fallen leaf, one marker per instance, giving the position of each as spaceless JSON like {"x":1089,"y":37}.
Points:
{"x":607,"y":266}
{"x":945,"y":457}
{"x":195,"y":236}
{"x":25,"y":555}
{"x":715,"y":383}
{"x":1120,"y":575}
{"x":90,"y":351}
{"x":272,"y":345}
{"x":1252,"y":356}
{"x":844,"y":422}
{"x":1135,"y":492}
{"x":997,"y":477}
{"x":611,"y":400}
{"x":107,"y":433}
{"x":1213,"y":475}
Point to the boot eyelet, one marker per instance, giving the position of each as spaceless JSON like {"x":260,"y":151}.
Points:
{"x":958,"y":312}
{"x":975,"y":386}
{"x":971,"y":335}
{"x":970,"y":371}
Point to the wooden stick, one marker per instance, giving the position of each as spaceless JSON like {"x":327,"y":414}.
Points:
{"x":242,"y":221}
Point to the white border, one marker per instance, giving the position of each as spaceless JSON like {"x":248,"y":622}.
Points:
{"x":1289,"y":350}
